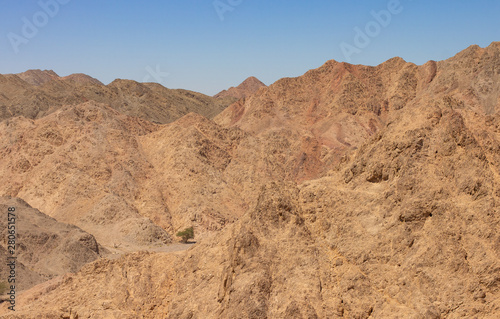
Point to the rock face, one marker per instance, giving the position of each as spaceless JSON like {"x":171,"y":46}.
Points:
{"x":244,"y":90}
{"x":45,"y":248}
{"x":35,"y":94}
{"x":348,"y":192}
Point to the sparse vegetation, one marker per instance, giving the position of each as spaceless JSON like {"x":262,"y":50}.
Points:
{"x":186,"y":234}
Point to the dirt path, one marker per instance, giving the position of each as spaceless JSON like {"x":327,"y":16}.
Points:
{"x":115,"y":253}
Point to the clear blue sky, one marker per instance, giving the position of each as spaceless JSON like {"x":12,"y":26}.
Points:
{"x":269,"y":39}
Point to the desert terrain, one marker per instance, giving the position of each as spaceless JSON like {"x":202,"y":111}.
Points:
{"x":350,"y":191}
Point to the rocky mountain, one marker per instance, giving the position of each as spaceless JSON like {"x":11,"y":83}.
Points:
{"x":348,"y":192}
{"x":45,"y":247}
{"x":81,"y":79}
{"x":35,"y":94}
{"x":38,"y":77}
{"x":244,"y":90}
{"x":81,"y":165}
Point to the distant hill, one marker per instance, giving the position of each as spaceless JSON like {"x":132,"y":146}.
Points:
{"x":81,"y":78}
{"x":245,"y":89}
{"x":35,"y":93}
{"x":38,"y":77}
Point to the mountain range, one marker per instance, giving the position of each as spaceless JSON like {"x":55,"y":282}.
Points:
{"x":348,"y":192}
{"x":36,"y":93}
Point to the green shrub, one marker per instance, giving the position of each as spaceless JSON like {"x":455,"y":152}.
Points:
{"x":186,"y":234}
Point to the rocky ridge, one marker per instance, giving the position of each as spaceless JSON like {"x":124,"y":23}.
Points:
{"x":35,"y":94}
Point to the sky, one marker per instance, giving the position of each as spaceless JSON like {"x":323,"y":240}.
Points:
{"x":210,"y":45}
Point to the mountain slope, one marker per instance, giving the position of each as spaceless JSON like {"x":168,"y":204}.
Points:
{"x":80,"y":165}
{"x":45,"y":248}
{"x":127,"y":181}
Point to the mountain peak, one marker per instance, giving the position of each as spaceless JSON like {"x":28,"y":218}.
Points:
{"x":245,"y":89}
{"x":38,"y":77}
{"x":81,"y":78}
{"x":251,"y":80}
